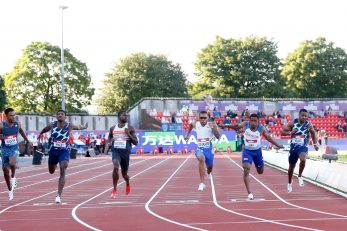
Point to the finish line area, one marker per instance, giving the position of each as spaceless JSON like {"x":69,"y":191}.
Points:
{"x":164,"y":196}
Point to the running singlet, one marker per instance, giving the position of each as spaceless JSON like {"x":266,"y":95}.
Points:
{"x":204,"y":135}
{"x":300,"y":137}
{"x":121,"y":141}
{"x":59,"y":139}
{"x":251,"y":138}
{"x":10,"y":135}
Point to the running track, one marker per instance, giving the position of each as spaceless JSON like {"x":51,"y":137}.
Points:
{"x":164,"y":197}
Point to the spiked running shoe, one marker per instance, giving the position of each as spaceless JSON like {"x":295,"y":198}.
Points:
{"x":301,"y":181}
{"x":127,"y":189}
{"x":289,"y":188}
{"x":57,"y":200}
{"x":13,"y":182}
{"x":114,"y":194}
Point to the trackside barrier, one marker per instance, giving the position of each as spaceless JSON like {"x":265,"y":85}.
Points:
{"x":323,"y":173}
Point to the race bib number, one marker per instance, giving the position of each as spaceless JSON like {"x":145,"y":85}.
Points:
{"x":10,"y":140}
{"x":298,"y":140}
{"x":120,"y":143}
{"x":59,"y":144}
{"x":204,"y":143}
{"x":251,"y":143}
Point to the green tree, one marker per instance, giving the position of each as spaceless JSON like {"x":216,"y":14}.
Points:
{"x":137,"y":76}
{"x":2,"y":94}
{"x":34,"y":85}
{"x":231,"y":68}
{"x":316,"y":69}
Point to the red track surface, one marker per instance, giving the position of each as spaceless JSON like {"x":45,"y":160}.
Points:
{"x":164,"y":196}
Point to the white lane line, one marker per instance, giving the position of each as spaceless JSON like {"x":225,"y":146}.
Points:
{"x":256,"y":218}
{"x":283,"y":200}
{"x":73,"y":212}
{"x":157,"y":192}
{"x":55,"y":191}
{"x":254,"y":222}
{"x":43,"y":181}
{"x":38,"y":174}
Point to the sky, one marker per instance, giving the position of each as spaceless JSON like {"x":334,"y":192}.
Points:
{"x":100,"y":32}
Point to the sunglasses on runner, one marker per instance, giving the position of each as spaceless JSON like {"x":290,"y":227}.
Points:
{"x":203,"y":117}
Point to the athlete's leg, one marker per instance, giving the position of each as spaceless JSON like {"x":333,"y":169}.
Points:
{"x":302,"y":157}
{"x":13,"y":162}
{"x":6,"y":170}
{"x":290,"y":172}
{"x":115,"y":174}
{"x":201,"y":160}
{"x":258,"y":161}
{"x":63,"y":166}
{"x":246,"y":177}
{"x":292,"y":159}
{"x":247,"y":160}
{"x":124,"y":163}
{"x":209,"y":160}
{"x":53,"y":160}
{"x":52,"y":168}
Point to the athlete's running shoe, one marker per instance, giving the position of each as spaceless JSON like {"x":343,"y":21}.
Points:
{"x":114,"y":194}
{"x":289,"y":188}
{"x":301,"y":181}
{"x":13,"y":182}
{"x":127,"y":189}
{"x":201,"y":187}
{"x":57,"y":200}
{"x":10,"y":195}
{"x":250,"y":196}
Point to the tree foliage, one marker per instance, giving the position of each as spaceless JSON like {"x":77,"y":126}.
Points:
{"x":316,"y":69}
{"x":140,"y":75}
{"x":34,"y":85}
{"x":231,"y":68}
{"x":2,"y":94}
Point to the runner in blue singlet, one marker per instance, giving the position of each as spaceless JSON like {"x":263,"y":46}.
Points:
{"x":252,"y":150}
{"x":9,"y":130}
{"x":299,"y":131}
{"x":59,"y":147}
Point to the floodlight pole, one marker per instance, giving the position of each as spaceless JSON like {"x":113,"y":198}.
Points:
{"x":62,"y":58}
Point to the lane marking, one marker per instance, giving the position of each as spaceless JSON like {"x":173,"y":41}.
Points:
{"x":286,"y":202}
{"x":256,"y":218}
{"x":43,"y":173}
{"x":73,"y":212}
{"x":182,"y":201}
{"x":70,"y":174}
{"x":80,"y":182}
{"x":251,"y":201}
{"x":254,"y":222}
{"x":116,"y":203}
{"x":157,"y":192}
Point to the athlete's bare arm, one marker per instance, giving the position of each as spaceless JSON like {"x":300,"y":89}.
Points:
{"x":78,"y":127}
{"x":46,"y":129}
{"x":288,"y":129}
{"x":110,"y":136}
{"x":131,"y":134}
{"x":267,"y":136}
{"x":314,"y":137}
{"x":191,"y":126}
{"x":234,"y":126}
